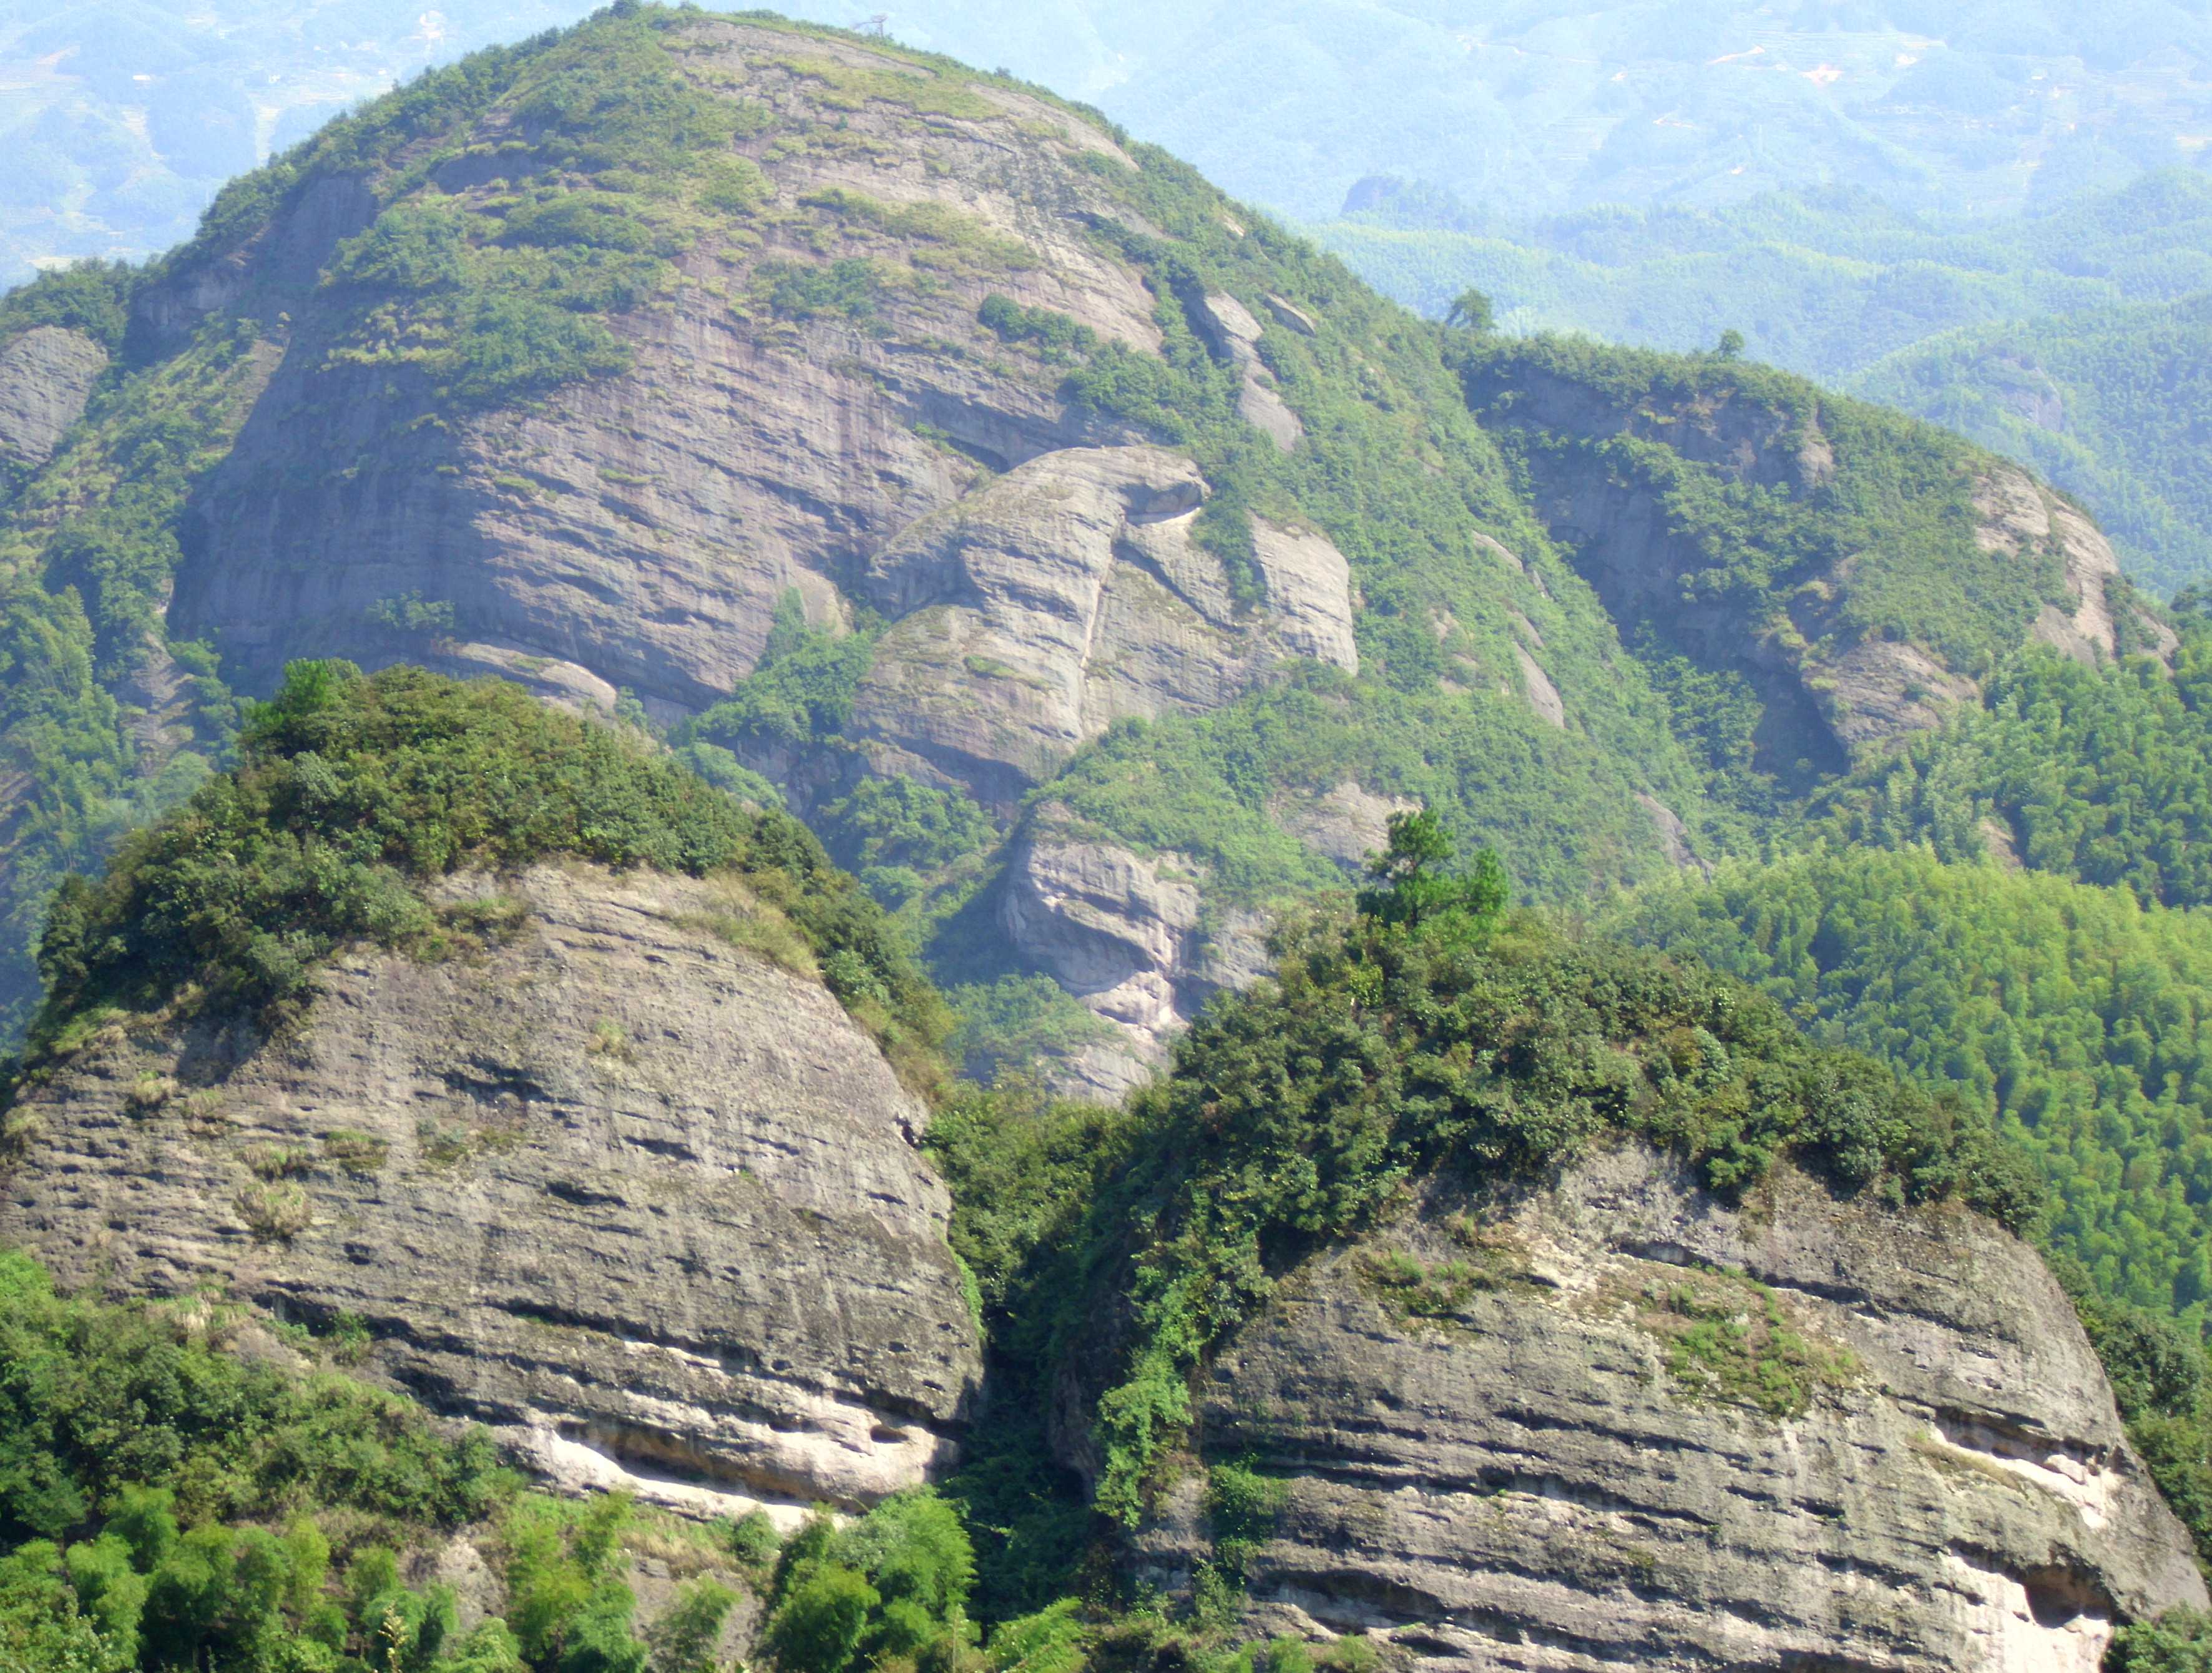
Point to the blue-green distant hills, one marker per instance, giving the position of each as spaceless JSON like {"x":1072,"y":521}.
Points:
{"x":121,"y":117}
{"x":2075,"y":339}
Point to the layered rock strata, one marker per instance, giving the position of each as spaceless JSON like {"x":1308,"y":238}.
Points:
{"x":1616,"y":1422}
{"x":645,"y":1204}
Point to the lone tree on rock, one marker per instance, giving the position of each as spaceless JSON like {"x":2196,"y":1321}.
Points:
{"x":1471,"y":311}
{"x":1414,"y":888}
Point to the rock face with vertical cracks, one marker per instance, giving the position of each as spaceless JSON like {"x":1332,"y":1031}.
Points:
{"x":645,"y":1204}
{"x":46,"y":375}
{"x":1616,"y":1422}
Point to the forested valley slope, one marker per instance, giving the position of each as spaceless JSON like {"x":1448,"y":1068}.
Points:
{"x":896,"y":618}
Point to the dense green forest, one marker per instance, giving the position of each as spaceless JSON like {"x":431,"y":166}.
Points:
{"x":2071,"y":1016}
{"x":2012,"y":907}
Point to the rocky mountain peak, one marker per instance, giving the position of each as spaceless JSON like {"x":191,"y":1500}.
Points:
{"x":578,"y":363}
{"x":1610,"y":1419}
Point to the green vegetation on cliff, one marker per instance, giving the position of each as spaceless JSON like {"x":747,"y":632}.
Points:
{"x":88,"y":550}
{"x":524,"y":201}
{"x":354,"y":791}
{"x":515,"y":208}
{"x":167,"y":1504}
{"x":2103,"y":776}
{"x":172,"y":1497}
{"x":89,"y":296}
{"x":1399,"y":1044}
{"x":1774,"y":484}
{"x":1431,"y":1033}
{"x":2069,"y":1016}
{"x":2072,"y":338}
{"x":497,"y":301}
{"x":2110,"y":403}
{"x":1420,"y":501}
{"x":1748,"y":529}
{"x":1394,"y":469}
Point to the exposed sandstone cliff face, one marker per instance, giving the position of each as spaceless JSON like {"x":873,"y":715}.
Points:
{"x":46,"y":375}
{"x":1131,"y":936}
{"x":1830,"y":696}
{"x":645,"y":1204}
{"x":2019,"y":514}
{"x":1069,"y":594}
{"x":642,"y":528}
{"x":1552,"y":1472}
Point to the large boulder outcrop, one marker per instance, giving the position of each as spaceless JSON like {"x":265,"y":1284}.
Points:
{"x":642,"y":1200}
{"x":1071,"y":593}
{"x":1613,"y":1421}
{"x":1130,"y":935}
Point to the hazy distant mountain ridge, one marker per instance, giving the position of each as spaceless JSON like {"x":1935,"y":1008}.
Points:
{"x":2070,"y":337}
{"x":125,"y":116}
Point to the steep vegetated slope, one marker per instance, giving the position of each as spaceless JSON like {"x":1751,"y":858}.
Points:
{"x":617,"y":1176}
{"x":2070,"y":1015}
{"x":2012,"y":907}
{"x":1814,"y":578}
{"x":2094,"y":775}
{"x":2108,"y":401}
{"x":1084,"y":557}
{"x":484,"y":1053}
{"x":1096,"y":570}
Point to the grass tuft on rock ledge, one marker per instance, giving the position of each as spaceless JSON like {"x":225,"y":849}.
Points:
{"x":354,"y":791}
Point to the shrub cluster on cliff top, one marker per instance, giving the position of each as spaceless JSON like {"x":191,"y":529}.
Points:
{"x":1299,"y":1111}
{"x":354,"y":790}
{"x":1432,"y":1032}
